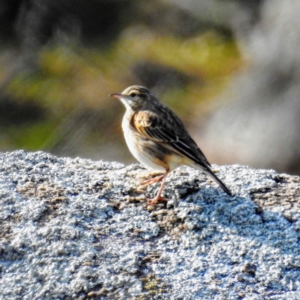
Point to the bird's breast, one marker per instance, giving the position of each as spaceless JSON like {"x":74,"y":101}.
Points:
{"x":145,"y":151}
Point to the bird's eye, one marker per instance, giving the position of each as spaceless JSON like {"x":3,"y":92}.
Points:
{"x":133,"y":95}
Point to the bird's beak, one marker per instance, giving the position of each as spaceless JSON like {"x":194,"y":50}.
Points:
{"x":115,"y":95}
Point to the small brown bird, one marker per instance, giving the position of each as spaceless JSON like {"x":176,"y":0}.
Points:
{"x":158,"y":139}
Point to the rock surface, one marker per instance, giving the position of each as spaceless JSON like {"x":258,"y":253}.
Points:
{"x":79,"y":229}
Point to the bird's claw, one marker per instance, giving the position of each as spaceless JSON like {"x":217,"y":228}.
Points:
{"x":155,"y":200}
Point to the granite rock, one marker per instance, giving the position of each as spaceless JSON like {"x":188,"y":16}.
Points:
{"x":80,"y":229}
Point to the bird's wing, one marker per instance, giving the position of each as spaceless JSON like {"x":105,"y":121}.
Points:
{"x":167,"y":129}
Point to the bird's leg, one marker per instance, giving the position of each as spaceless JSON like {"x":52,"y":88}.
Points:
{"x":158,"y":197}
{"x":153,"y":180}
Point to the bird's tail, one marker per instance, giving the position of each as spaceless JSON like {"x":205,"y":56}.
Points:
{"x":219,"y":182}
{"x":210,"y":173}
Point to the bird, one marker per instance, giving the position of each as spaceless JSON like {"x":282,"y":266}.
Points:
{"x":157,"y":138}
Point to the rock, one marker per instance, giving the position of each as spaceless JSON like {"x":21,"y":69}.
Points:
{"x":79,"y":229}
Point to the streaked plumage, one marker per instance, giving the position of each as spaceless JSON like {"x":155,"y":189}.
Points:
{"x":157,"y":138}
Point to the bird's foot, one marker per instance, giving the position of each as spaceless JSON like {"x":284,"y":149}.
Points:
{"x":152,"y":180}
{"x":156,"y":199}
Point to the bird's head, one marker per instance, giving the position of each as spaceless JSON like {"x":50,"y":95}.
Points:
{"x":135,"y":97}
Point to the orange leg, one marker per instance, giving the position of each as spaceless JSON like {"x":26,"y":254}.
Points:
{"x":158,"y":197}
{"x":153,"y":180}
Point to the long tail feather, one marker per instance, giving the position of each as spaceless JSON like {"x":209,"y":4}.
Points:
{"x":210,"y":173}
{"x":219,"y":182}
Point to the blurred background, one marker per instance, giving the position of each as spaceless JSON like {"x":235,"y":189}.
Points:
{"x":229,"y":68}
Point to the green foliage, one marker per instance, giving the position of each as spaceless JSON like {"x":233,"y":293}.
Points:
{"x":31,"y":136}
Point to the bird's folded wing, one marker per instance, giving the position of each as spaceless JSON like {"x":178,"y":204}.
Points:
{"x":155,"y":128}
